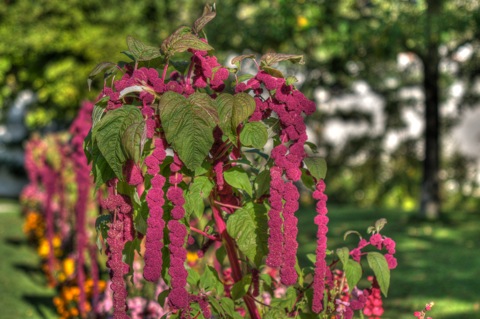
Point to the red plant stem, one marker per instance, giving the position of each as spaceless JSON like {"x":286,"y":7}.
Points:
{"x":164,"y":74}
{"x":232,"y":256}
{"x":204,"y":233}
{"x":226,"y":205}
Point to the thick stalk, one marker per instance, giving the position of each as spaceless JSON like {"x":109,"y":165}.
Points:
{"x":232,"y":256}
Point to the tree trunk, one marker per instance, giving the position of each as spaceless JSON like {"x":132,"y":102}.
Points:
{"x":430,"y":198}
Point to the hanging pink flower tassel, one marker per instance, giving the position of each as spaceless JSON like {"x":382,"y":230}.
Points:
{"x":321,"y":220}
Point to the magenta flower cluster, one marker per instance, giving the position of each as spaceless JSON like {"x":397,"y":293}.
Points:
{"x":321,"y":220}
{"x":118,"y":269}
{"x":380,"y":242}
{"x":178,"y":296}
{"x":155,"y":201}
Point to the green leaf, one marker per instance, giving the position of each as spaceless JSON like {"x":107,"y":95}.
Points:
{"x":193,"y":277}
{"x":244,"y":77}
{"x":308,"y":180}
{"x":208,"y":14}
{"x":238,"y":178}
{"x":162,"y":297}
{"x":129,"y":253}
{"x":272,"y":58}
{"x":197,"y":192}
{"x":343,"y":253}
{"x":113,"y":140}
{"x":291,"y":80}
{"x":141,"y":51}
{"x":238,"y":59}
{"x":102,"y":225}
{"x":182,"y":40}
{"x":209,"y":281}
{"x":180,"y":66}
{"x":102,"y":172}
{"x":254,"y":134}
{"x":266,"y":278}
{"x":228,"y":306}
{"x":216,"y":306}
{"x":109,"y":66}
{"x":347,"y":233}
{"x":316,"y":166}
{"x":99,"y":110}
{"x":141,"y":217}
{"x":288,"y":302}
{"x":248,"y":226}
{"x":379,"y":265}
{"x":262,"y":183}
{"x":379,"y":224}
{"x":353,"y":272}
{"x":275,"y":313}
{"x":272,"y":71}
{"x":312,"y":258}
{"x":220,"y":254}
{"x":240,"y":288}
{"x":232,"y":111}
{"x":188,"y":125}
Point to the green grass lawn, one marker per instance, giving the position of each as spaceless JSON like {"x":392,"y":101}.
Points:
{"x":437,"y":261}
{"x":23,"y":290}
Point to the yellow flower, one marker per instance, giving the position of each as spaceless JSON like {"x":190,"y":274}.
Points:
{"x":302,"y":22}
{"x":192,"y":257}
{"x":68,"y":266}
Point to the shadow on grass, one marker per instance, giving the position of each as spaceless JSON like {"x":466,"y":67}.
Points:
{"x":43,"y":305}
{"x":437,"y":260}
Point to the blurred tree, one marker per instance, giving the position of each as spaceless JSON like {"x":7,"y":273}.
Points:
{"x":351,"y":40}
{"x":50,"y":46}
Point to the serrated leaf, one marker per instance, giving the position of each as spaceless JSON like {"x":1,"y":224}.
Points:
{"x":343,"y":253}
{"x":254,"y":134}
{"x":102,"y":172}
{"x":262,"y":183}
{"x":216,"y":306}
{"x":97,"y":69}
{"x":353,"y":272}
{"x":248,"y":226}
{"x":240,"y":288}
{"x":238,"y":178}
{"x":233,"y":110}
{"x":208,"y":14}
{"x":99,"y":110}
{"x":238,"y":59}
{"x":110,"y":136}
{"x":188,"y":125}
{"x":141,"y":51}
{"x":379,"y":265}
{"x":316,"y":166}
{"x":210,"y":281}
{"x":197,"y":192}
{"x":228,"y":306}
{"x":272,"y":58}
{"x":182,"y":40}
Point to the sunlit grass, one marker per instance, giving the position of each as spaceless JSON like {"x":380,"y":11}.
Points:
{"x":437,"y":261}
